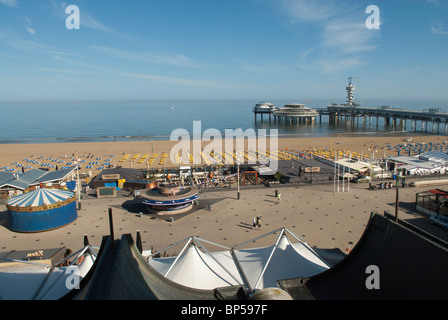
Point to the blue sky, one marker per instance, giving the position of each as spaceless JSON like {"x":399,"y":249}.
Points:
{"x":228,"y":49}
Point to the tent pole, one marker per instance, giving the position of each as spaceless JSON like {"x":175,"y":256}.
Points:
{"x":170,"y":246}
{"x":269,"y":259}
{"x":219,"y":263}
{"x":240,"y":270}
{"x":177,"y":258}
{"x":253,"y":240}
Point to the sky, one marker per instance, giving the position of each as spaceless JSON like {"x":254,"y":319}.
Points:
{"x":223,"y":49}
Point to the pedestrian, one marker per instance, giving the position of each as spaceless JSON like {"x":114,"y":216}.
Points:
{"x":279,"y":197}
{"x":259,"y":222}
{"x":254,"y":223}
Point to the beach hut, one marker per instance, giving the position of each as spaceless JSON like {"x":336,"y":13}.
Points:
{"x":42,"y":210}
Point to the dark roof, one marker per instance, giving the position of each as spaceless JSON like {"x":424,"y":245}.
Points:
{"x":120,"y":272}
{"x":21,"y":180}
{"x":411,"y":265}
{"x":125,"y":173}
{"x":56,"y":175}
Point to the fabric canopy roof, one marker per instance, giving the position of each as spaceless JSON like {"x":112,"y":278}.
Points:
{"x":196,"y":269}
{"x":262,"y":267}
{"x":40,"y":197}
{"x":256,"y":268}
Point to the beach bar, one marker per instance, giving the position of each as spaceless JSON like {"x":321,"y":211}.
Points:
{"x":41,"y":210}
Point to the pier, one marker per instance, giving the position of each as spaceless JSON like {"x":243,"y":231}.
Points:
{"x":431,"y":119}
{"x":428,"y":120}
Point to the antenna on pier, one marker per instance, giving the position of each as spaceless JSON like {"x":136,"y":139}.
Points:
{"x":350,"y":92}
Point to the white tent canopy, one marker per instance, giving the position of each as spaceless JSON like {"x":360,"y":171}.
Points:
{"x":262,"y":267}
{"x":197,"y":269}
{"x":36,"y":280}
{"x":255,"y":268}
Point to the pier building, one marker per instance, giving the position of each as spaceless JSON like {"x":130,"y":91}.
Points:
{"x":263,"y":108}
{"x":296,"y":112}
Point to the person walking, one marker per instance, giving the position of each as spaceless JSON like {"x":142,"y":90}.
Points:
{"x":254,"y":223}
{"x":279,"y":197}
{"x":259,"y":222}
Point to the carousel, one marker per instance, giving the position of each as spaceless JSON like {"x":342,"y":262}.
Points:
{"x":42,"y":210}
{"x":169,"y":199}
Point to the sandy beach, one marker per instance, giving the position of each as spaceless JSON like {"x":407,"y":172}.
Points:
{"x":136,"y":154}
{"x":324,"y":218}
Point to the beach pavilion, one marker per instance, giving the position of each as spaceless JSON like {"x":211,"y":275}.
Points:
{"x":423,"y":164}
{"x":13,"y":184}
{"x":41,"y":210}
{"x":116,"y":177}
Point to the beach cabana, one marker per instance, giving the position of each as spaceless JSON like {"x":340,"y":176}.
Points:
{"x":41,"y":210}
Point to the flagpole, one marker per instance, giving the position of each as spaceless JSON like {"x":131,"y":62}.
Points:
{"x":77,"y":174}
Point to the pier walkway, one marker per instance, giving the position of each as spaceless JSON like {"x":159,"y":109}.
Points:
{"x":392,"y":116}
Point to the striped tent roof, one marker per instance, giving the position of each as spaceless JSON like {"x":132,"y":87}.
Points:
{"x":40,"y":197}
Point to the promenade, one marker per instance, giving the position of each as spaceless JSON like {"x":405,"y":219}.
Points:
{"x":325,"y":219}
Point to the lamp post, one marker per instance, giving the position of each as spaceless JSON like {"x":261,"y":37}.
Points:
{"x":372,"y":149}
{"x":238,"y":175}
{"x":77,"y":175}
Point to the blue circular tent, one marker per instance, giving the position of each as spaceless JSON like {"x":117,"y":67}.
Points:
{"x":42,"y":210}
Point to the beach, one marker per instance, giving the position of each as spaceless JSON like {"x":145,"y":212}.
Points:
{"x":325,"y":218}
{"x":136,"y":154}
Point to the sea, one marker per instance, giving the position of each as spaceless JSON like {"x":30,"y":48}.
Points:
{"x":94,"y":121}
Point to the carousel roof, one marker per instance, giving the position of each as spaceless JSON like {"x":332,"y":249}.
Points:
{"x":40,"y":197}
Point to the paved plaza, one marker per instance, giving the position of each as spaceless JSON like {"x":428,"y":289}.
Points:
{"x":324,"y":218}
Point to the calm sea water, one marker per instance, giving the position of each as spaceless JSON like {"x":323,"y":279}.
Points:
{"x":144,"y":120}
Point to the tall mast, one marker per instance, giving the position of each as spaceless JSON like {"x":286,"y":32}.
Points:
{"x":350,"y":92}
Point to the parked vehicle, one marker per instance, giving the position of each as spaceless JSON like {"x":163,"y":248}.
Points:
{"x":361,"y":179}
{"x":439,"y":220}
